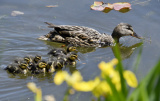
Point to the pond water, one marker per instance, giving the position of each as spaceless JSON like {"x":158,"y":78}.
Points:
{"x":18,"y":37}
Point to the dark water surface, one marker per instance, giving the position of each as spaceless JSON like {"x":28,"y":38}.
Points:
{"x":18,"y":37}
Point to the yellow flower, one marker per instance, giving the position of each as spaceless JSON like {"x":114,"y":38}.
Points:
{"x":74,"y":78}
{"x":32,"y":86}
{"x":130,"y":78}
{"x":107,"y":68}
{"x":102,"y":88}
{"x":86,"y":86}
{"x":60,"y":77}
{"x":116,"y":80}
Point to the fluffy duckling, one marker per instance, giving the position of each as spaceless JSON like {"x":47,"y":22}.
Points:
{"x":40,"y":67}
{"x":16,"y":68}
{"x":71,"y":58}
{"x":50,"y":67}
{"x":37,"y":58}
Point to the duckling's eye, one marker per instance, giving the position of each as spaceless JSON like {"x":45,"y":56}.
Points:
{"x":26,"y":59}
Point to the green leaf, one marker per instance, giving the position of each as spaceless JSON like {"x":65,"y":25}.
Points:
{"x":120,"y":68}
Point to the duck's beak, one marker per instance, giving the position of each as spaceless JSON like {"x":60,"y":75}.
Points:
{"x":137,"y":36}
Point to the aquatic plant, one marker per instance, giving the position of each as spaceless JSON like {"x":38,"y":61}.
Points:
{"x":107,"y":84}
{"x":113,"y":83}
{"x":37,"y":91}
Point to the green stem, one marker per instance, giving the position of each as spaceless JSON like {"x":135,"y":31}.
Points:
{"x":66,"y":96}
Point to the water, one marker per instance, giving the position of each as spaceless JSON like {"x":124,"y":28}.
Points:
{"x":18,"y":37}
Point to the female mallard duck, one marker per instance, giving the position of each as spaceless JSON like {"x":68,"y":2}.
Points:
{"x":84,"y":36}
{"x":15,"y":68}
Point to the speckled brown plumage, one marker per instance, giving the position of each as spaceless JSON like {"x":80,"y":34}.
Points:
{"x":85,"y":36}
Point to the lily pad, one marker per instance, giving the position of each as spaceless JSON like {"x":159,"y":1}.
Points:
{"x":106,"y":7}
{"x":122,"y":7}
{"x":100,"y":6}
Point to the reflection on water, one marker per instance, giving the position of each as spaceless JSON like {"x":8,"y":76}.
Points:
{"x":126,"y":51}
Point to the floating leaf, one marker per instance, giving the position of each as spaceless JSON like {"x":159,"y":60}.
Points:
{"x":15,"y":13}
{"x":122,"y":6}
{"x":100,"y":6}
{"x":97,"y":8}
{"x":98,"y":3}
{"x":108,"y":7}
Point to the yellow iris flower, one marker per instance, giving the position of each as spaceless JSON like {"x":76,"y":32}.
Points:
{"x":130,"y":78}
{"x":99,"y":87}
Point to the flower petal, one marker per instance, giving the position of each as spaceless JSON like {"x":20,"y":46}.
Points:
{"x":130,"y":78}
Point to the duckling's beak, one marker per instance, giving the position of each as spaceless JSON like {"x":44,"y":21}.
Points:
{"x":137,"y":36}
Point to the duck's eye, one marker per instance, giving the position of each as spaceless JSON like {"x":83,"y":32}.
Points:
{"x":74,"y":48}
{"x":23,"y":65}
{"x":27,"y":59}
{"x":130,"y":28}
{"x":59,"y":65}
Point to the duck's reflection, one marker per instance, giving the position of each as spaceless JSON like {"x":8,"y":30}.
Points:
{"x":126,"y":51}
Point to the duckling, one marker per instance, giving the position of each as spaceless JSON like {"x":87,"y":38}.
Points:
{"x":16,"y":68}
{"x":50,"y":67}
{"x":18,"y":60}
{"x":72,"y":57}
{"x":61,"y":51}
{"x":38,"y":68}
{"x":89,"y":37}
{"x":37,"y":58}
{"x":59,"y":64}
{"x":28,"y":59}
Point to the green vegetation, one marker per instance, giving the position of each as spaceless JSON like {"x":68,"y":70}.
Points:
{"x":113,"y":84}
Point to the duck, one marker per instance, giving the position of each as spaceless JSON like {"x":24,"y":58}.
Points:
{"x":50,"y":67}
{"x":53,"y":66}
{"x":36,"y":59}
{"x":18,"y":68}
{"x":38,"y":68}
{"x":61,"y":51}
{"x":87,"y":37}
{"x":71,"y":58}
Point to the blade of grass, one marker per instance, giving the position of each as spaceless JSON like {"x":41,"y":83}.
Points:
{"x":116,"y":96}
{"x":148,"y":83}
{"x":138,"y":59}
{"x":120,"y":68}
{"x":157,"y":90}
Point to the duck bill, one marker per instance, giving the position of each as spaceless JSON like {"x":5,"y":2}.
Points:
{"x":137,"y":36}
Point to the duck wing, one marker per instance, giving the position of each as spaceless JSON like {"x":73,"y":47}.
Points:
{"x":72,"y":31}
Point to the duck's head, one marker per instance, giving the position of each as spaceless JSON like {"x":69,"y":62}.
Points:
{"x":23,"y":65}
{"x":124,"y":29}
{"x":27,"y":59}
{"x":59,"y":64}
{"x":71,"y":48}
{"x":73,"y":56}
{"x":42,"y":64}
{"x":37,"y":58}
